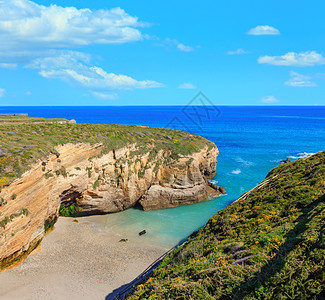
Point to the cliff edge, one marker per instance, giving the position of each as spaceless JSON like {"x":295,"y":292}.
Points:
{"x":87,"y":169}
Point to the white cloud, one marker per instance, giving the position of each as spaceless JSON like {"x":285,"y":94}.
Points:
{"x":187,"y":85}
{"x":38,"y":28}
{"x":269,"y":99}
{"x":300,"y":80}
{"x":2,"y":92}
{"x":8,"y":66}
{"x":74,"y":68}
{"x":302,"y":59}
{"x":263,"y":30}
{"x":104,"y":96}
{"x":239,"y":51}
{"x":41,"y":37}
{"x":184,"y":48}
{"x":28,"y":93}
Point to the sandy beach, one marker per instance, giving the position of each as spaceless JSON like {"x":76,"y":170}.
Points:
{"x":78,"y":261}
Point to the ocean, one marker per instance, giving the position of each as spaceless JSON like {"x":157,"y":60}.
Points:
{"x":251,"y":140}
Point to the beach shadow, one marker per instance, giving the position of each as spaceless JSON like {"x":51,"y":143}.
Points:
{"x":125,"y":289}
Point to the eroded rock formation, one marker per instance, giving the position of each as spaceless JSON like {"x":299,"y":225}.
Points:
{"x":97,"y":183}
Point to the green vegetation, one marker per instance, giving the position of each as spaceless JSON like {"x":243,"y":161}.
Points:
{"x":24,"y":141}
{"x":268,"y":245}
{"x":48,"y":175}
{"x":49,"y":225}
{"x":96,"y":184}
{"x":69,"y":211}
{"x":6,"y":219}
{"x":3,"y":201}
{"x":62,"y":171}
{"x":20,"y":119}
{"x":88,"y":169}
{"x":156,"y":168}
{"x":4,"y":222}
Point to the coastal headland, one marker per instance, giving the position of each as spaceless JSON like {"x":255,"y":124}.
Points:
{"x":52,"y":167}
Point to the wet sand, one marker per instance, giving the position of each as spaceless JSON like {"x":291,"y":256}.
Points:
{"x":78,"y":261}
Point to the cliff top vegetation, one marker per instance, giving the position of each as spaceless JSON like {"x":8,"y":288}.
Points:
{"x":26,"y":140}
{"x":267,"y":245}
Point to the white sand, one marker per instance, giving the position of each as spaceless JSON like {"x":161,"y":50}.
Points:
{"x":77,"y":261}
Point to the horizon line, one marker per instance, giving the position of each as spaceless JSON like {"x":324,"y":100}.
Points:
{"x":180,"y":105}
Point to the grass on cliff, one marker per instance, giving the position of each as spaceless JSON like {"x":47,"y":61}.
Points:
{"x":19,"y":119}
{"x":267,"y":246}
{"x":24,"y":141}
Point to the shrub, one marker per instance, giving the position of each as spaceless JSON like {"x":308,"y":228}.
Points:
{"x":96,"y":184}
{"x":140,"y":173}
{"x":48,"y":226}
{"x":48,"y":175}
{"x":267,"y":245}
{"x":69,"y":211}
{"x":2,"y":201}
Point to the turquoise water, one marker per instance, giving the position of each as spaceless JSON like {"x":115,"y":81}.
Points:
{"x":251,"y":141}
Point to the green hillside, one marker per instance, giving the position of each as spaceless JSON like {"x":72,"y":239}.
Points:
{"x":267,"y":245}
{"x":26,"y":140}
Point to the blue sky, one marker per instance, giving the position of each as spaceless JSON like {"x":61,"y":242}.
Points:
{"x":144,"y":52}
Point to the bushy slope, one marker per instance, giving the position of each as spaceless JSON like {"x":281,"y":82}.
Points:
{"x":24,"y":140}
{"x":268,"y":245}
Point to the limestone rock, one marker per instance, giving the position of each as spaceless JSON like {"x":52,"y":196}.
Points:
{"x":110,"y":183}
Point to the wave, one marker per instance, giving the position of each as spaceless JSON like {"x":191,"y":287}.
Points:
{"x":236,"y":172}
{"x":222,"y":195}
{"x":244,"y":162}
{"x":301,"y":155}
{"x":214,"y":181}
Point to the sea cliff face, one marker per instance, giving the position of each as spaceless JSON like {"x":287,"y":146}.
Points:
{"x":82,"y":176}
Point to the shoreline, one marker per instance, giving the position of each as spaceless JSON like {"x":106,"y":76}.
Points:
{"x":77,"y":261}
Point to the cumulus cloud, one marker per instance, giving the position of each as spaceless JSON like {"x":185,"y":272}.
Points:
{"x":263,"y":30}
{"x":239,"y":51}
{"x":41,"y":37}
{"x":300,"y":80}
{"x":187,"y":85}
{"x":184,"y":48}
{"x":75,"y":68}
{"x":269,"y":100}
{"x":38,"y":28}
{"x":2,"y":92}
{"x":302,"y":59}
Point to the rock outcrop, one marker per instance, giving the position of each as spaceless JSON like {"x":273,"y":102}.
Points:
{"x":96,"y":183}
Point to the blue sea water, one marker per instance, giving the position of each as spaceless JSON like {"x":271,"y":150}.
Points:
{"x":251,"y":141}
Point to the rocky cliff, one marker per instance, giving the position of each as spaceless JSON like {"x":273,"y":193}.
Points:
{"x":90,"y":180}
